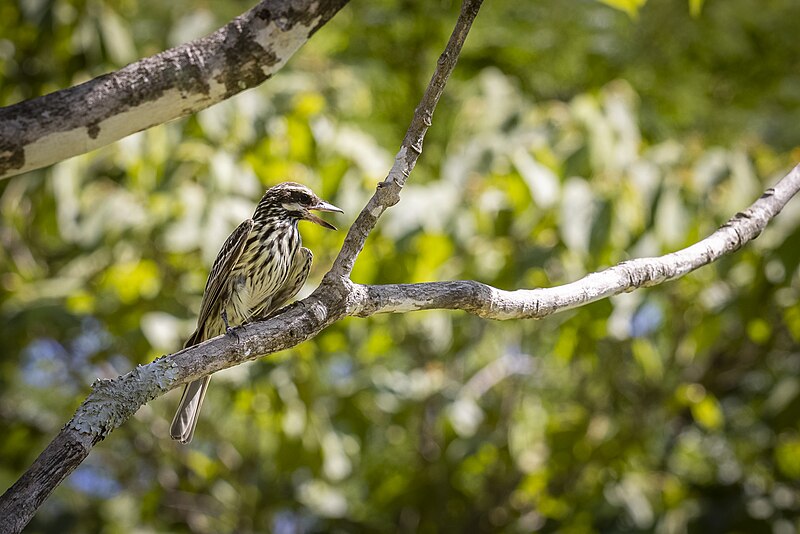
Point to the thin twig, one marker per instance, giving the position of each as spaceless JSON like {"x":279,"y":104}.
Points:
{"x":112,"y":402}
{"x":388,"y":191}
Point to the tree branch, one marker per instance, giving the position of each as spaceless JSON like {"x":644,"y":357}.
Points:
{"x":388,"y":192}
{"x":492,"y":303}
{"x":180,"y":81}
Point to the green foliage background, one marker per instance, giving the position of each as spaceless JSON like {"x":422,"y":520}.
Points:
{"x":573,"y":136}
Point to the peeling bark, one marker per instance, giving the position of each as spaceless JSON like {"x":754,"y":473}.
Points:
{"x":180,"y":81}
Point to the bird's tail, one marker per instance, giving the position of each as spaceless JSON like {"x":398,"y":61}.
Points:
{"x":185,"y":419}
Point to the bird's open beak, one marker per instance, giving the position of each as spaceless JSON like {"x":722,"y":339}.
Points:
{"x":322,"y":206}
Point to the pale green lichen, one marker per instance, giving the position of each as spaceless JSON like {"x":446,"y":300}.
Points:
{"x":114,"y":401}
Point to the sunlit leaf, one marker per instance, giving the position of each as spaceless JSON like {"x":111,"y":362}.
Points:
{"x":695,"y":6}
{"x":631,"y":7}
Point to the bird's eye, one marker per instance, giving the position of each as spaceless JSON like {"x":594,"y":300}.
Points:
{"x":303,"y":198}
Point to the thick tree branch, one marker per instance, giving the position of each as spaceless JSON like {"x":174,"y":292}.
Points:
{"x":154,"y":90}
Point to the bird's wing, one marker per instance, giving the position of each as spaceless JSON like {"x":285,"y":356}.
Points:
{"x":298,"y":274}
{"x":228,"y":255}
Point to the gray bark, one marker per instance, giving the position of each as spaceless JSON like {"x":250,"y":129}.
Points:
{"x":180,"y":81}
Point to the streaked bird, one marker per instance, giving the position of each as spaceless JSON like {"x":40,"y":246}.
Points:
{"x":260,"y":267}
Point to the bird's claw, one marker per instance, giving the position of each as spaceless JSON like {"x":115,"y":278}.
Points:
{"x":232,"y":331}
{"x":229,"y":330}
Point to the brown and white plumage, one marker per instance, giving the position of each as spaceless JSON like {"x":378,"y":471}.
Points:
{"x":260,"y":267}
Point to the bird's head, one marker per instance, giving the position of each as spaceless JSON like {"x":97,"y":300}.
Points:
{"x":294,"y":201}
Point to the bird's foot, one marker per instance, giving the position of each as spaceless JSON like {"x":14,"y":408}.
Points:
{"x":233,"y":331}
{"x":230,"y":330}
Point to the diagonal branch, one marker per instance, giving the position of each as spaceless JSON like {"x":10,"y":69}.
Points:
{"x":180,"y":81}
{"x":388,"y":192}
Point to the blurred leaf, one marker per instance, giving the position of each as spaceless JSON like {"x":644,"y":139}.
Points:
{"x":708,"y":413}
{"x":695,"y":6}
{"x":759,"y":331}
{"x":133,"y":281}
{"x":631,"y":7}
{"x":787,"y":455}
{"x":647,"y":356}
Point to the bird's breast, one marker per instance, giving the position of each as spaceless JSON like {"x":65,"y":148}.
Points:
{"x":261,"y":270}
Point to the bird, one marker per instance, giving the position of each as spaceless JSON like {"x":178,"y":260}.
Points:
{"x":261,"y":265}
